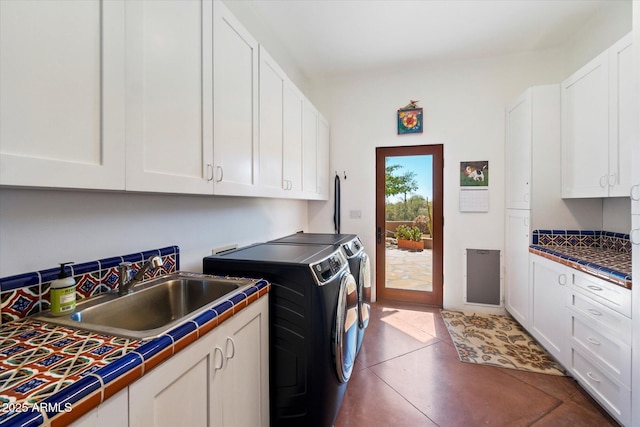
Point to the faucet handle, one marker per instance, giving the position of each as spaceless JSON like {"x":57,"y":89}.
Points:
{"x":124,"y":269}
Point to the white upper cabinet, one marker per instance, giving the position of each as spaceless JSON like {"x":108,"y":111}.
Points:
{"x":183,"y":106}
{"x":585,"y":127}
{"x":292,"y":154}
{"x":309,"y":149}
{"x":62,"y":85}
{"x":518,"y":152}
{"x":323,"y":158}
{"x":169,"y":123}
{"x":235,"y":106}
{"x":272,"y":92}
{"x":596,"y":123}
{"x":621,"y":119}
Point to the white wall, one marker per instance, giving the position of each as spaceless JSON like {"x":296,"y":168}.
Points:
{"x":40,"y":228}
{"x":463,"y":110}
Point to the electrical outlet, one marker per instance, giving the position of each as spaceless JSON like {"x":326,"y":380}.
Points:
{"x":355,"y":214}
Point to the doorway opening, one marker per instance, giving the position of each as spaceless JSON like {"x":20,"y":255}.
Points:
{"x":409,"y":224}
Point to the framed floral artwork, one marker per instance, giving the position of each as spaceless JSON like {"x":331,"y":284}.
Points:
{"x":409,"y":121}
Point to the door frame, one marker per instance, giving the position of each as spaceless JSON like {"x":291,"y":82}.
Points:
{"x":435,"y":297}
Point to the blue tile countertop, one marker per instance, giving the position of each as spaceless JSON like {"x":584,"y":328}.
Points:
{"x":610,"y":265}
{"x":53,"y":375}
{"x":600,"y":253}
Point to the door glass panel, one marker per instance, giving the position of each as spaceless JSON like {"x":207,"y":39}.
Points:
{"x":408,"y":222}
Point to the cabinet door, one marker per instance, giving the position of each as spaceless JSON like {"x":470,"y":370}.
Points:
{"x":585,"y":130}
{"x":292,"y":153}
{"x":272,"y":91}
{"x":622,"y":81}
{"x":635,"y":295}
{"x":113,"y":412}
{"x":177,"y":392}
{"x":549,"y":315}
{"x":235,"y":105}
{"x":246,"y":349}
{"x":518,"y":152}
{"x":309,"y":149}
{"x":169,"y":73}
{"x":62,"y":85}
{"x":518,"y":295}
{"x":323,"y":158}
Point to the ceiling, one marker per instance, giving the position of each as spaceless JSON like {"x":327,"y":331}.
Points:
{"x":332,"y":37}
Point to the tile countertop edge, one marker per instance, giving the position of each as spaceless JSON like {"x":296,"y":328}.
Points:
{"x":612,"y":276}
{"x":79,"y":398}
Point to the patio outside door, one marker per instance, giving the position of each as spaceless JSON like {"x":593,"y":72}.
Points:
{"x":409,"y":193}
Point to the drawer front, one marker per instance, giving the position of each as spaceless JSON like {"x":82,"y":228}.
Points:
{"x":613,"y":354}
{"x":613,"y":396}
{"x":615,"y":324}
{"x":610,"y":295}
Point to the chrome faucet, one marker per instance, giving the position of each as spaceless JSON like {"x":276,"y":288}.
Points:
{"x":125,"y":281}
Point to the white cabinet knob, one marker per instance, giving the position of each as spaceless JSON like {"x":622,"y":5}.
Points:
{"x":634,"y":193}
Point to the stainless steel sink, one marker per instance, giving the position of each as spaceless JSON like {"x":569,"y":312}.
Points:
{"x":152,"y":308}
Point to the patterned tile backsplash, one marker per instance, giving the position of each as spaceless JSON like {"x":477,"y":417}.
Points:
{"x":618,"y":242}
{"x":28,"y":293}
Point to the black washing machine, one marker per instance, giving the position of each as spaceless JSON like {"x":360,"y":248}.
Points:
{"x":313,"y":325}
{"x":358,"y":263}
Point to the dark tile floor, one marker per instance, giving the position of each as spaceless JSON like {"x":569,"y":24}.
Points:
{"x":408,"y":374}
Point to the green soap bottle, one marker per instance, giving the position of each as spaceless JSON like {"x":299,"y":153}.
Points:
{"x":63,"y":293}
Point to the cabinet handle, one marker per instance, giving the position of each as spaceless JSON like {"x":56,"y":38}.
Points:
{"x":634,"y":236}
{"x":593,"y":341}
{"x":562,"y":279}
{"x":603,"y":181}
{"x":611,"y":180}
{"x":592,"y":377}
{"x":218,"y":363}
{"x":209,"y":172}
{"x":594,"y":312}
{"x":220,"y":173}
{"x":634,"y":194}
{"x":594,"y":288}
{"x":233,"y":348}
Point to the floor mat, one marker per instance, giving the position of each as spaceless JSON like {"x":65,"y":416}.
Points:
{"x":497,"y":341}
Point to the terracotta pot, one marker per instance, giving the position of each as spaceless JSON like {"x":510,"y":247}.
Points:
{"x":410,"y":244}
{"x":428,"y":242}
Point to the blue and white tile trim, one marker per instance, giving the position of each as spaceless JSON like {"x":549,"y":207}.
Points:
{"x":618,"y":242}
{"x":603,"y":254}
{"x":25,"y":294}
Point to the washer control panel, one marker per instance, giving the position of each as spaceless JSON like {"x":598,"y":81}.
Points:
{"x":326,"y":269}
{"x":353,"y":247}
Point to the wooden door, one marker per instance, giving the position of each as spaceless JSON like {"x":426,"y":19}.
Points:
{"x":422,"y":270}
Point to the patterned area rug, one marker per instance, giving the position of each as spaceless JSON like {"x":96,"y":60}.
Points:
{"x":497,"y":341}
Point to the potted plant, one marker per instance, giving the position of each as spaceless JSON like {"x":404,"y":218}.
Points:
{"x":409,"y":238}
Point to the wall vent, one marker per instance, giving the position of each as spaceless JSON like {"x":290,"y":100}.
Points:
{"x":483,"y":276}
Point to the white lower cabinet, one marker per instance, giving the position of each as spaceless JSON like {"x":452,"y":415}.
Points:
{"x":112,"y":413}
{"x":600,"y":341}
{"x":220,"y":380}
{"x":585,"y":323}
{"x":517,"y":295}
{"x":548,"y":299}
